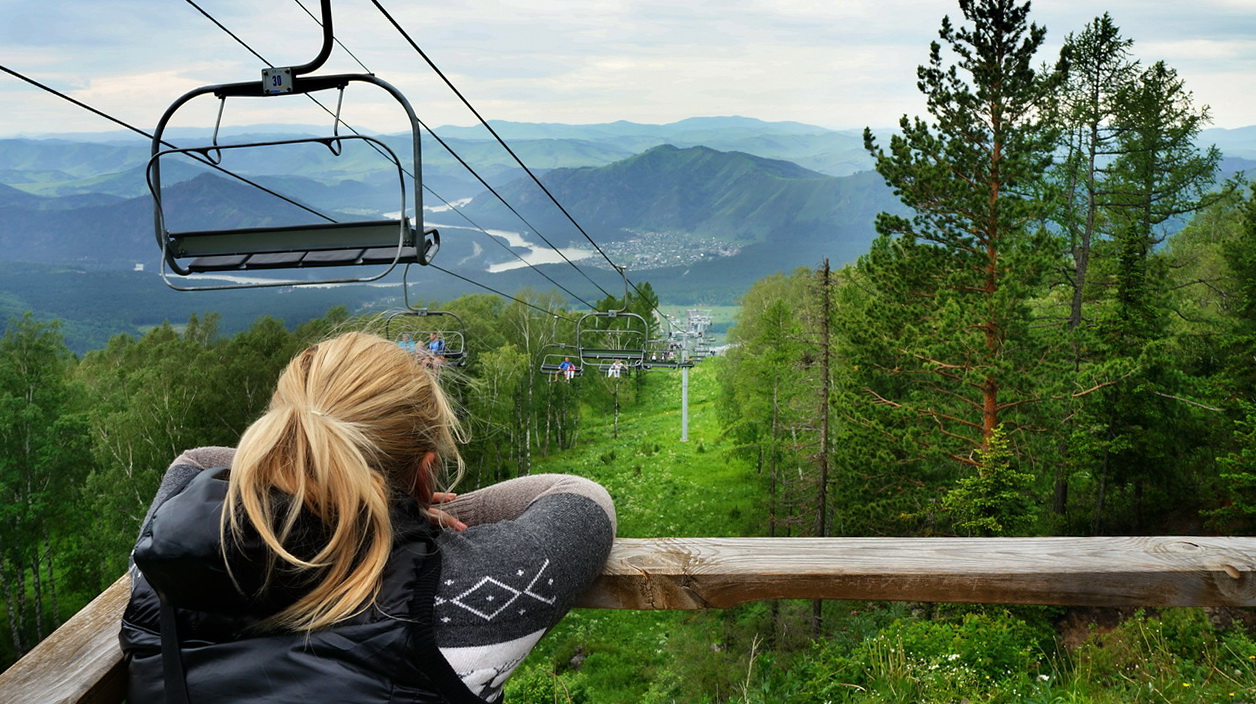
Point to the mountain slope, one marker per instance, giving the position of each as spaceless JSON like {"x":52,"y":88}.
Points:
{"x":729,"y":196}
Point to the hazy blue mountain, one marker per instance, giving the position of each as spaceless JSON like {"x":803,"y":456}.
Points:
{"x":735,"y":198}
{"x":742,"y":182}
{"x":731,"y":196}
{"x":836,"y":153}
{"x":1240,"y":142}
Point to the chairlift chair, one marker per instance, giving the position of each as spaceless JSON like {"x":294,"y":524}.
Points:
{"x":664,"y":354}
{"x":551,"y":359}
{"x":382,"y":242}
{"x":412,"y":329}
{"x":600,"y":342}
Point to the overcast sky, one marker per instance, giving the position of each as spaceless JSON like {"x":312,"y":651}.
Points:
{"x":834,"y":63}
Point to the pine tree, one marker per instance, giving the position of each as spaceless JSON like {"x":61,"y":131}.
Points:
{"x":1158,"y":176}
{"x":954,"y":278}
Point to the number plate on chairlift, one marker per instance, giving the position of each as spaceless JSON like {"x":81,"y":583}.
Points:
{"x":276,"y":80}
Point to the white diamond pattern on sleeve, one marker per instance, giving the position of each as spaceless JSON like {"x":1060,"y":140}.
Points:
{"x":490,"y":596}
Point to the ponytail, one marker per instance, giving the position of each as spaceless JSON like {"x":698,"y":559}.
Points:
{"x":347,"y":429}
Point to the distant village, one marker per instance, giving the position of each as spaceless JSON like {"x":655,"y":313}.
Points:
{"x":656,"y":250}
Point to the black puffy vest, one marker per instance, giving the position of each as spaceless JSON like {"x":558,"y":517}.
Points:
{"x":387,"y":653}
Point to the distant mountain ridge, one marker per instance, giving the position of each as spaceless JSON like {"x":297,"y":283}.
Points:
{"x":797,"y":191}
{"x":731,"y":196}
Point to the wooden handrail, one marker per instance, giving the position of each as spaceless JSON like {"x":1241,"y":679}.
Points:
{"x":695,"y":573}
{"x":81,"y":664}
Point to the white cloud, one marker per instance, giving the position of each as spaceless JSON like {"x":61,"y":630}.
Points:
{"x":839,"y":64}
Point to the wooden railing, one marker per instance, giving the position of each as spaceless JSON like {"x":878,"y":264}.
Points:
{"x":81,"y":664}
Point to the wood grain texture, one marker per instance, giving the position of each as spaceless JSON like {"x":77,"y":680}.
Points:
{"x":81,"y":662}
{"x":695,"y":573}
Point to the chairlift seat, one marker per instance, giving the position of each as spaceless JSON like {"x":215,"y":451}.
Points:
{"x":554,"y":369}
{"x":384,"y":243}
{"x":296,"y":247}
{"x":667,"y":365}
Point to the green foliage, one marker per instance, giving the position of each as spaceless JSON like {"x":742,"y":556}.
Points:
{"x":994,"y":500}
{"x":536,"y":686}
{"x":1177,"y":656}
{"x":1238,"y":476}
{"x":44,"y":456}
{"x":988,"y":656}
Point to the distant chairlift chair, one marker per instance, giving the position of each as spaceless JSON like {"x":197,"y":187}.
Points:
{"x":551,"y":361}
{"x":385,"y":243}
{"x":601,"y":343}
{"x":413,"y":323}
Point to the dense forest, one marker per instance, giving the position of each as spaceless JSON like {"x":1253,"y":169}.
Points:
{"x":1056,"y":339}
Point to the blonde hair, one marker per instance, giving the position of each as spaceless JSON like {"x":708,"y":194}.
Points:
{"x":348,"y":428}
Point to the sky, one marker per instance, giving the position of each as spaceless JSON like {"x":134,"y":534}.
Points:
{"x":840,"y":64}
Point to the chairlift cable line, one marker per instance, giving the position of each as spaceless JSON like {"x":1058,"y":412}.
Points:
{"x":474,"y":173}
{"x":231,"y":34}
{"x":503,"y":295}
{"x":139,"y":131}
{"x":510,"y":151}
{"x":512,"y":209}
{"x":469,"y":168}
{"x":338,"y":42}
{"x":499,"y":139}
{"x":430,"y":131}
{"x":503,"y":246}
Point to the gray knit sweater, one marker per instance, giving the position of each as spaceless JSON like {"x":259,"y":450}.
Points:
{"x":533,"y":545}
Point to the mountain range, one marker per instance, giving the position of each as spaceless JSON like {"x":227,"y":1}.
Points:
{"x":700,"y":208}
{"x":723,"y":179}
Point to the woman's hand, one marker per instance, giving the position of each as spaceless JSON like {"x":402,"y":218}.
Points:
{"x":441,"y":518}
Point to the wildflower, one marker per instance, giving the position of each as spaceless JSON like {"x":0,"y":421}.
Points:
{"x":1186,"y":684}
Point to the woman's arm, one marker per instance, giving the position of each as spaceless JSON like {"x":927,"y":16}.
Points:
{"x":188,"y":465}
{"x":509,"y":499}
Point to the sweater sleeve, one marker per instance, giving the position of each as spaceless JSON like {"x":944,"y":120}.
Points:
{"x":533,"y":546}
{"x":186,"y":466}
{"x":508,"y":500}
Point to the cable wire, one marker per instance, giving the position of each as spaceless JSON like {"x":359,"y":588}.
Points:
{"x":338,"y":42}
{"x":504,"y":295}
{"x":510,"y":151}
{"x":503,"y":246}
{"x":496,"y":136}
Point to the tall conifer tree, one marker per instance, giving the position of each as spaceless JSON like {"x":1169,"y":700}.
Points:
{"x":952,"y":280}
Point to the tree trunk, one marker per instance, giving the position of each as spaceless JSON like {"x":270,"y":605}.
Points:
{"x":822,"y":497}
{"x":52,"y":584}
{"x":12,"y":607}
{"x":37,"y":583}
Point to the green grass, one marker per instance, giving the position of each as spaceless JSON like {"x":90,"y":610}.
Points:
{"x":872,"y":652}
{"x":662,"y":487}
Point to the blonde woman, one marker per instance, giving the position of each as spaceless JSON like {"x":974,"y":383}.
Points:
{"x":313,"y":564}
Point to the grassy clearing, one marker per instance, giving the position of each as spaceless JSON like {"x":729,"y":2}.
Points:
{"x":872,"y":652}
{"x":662,"y":487}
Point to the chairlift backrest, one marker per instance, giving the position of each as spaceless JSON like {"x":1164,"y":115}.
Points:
{"x":603,"y":337}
